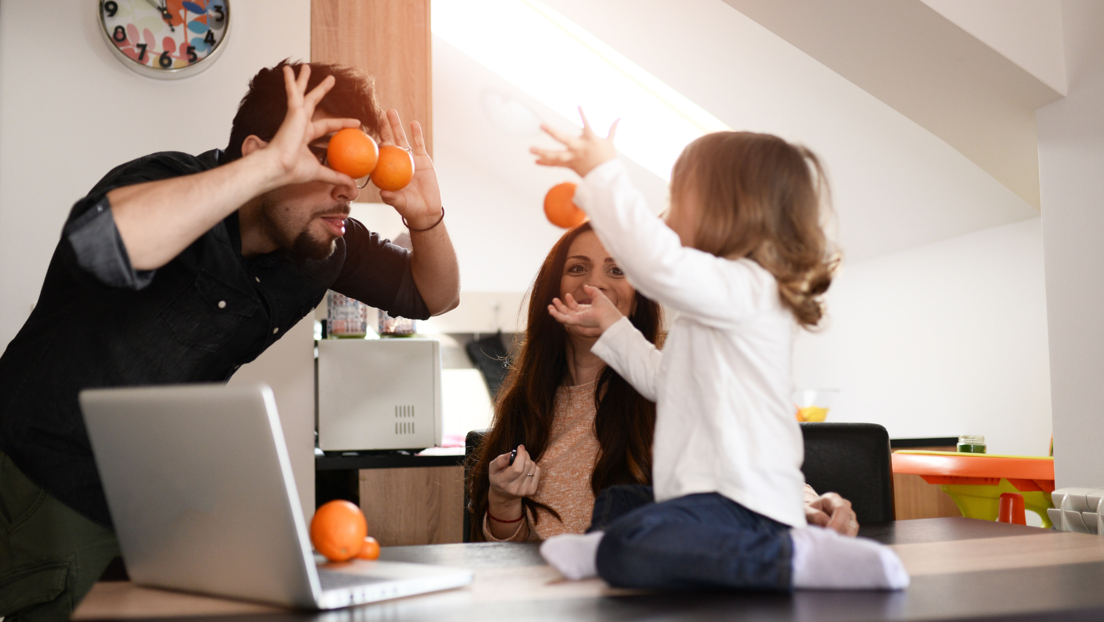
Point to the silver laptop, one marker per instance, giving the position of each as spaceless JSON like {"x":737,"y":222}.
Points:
{"x":200,"y":489}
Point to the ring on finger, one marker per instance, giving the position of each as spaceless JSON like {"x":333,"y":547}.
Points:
{"x":529,"y":475}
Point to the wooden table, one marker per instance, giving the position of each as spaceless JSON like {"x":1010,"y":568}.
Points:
{"x":962,"y":569}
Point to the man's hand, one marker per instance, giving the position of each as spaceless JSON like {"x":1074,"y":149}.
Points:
{"x":582,"y":154}
{"x":420,"y":201}
{"x":832,"y":512}
{"x":593,"y":319}
{"x":288,"y":148}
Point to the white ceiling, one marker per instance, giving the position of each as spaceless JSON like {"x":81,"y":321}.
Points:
{"x":896,"y":185}
{"x":934,"y":71}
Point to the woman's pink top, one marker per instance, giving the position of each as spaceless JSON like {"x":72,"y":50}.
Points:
{"x":566,"y":466}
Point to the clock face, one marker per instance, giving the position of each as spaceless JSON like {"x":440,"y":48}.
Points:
{"x":166,"y":38}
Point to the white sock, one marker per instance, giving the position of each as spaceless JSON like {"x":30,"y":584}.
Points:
{"x":823,"y":559}
{"x":574,"y":555}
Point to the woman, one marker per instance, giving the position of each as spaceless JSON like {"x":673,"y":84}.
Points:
{"x":576,"y":425}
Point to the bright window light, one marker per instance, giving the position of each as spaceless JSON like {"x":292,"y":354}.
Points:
{"x":563,"y":66}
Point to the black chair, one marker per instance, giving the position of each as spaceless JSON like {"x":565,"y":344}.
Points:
{"x":473,"y":439}
{"x":851,"y":459}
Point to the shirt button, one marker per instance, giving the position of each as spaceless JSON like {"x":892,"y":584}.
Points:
{"x":222,"y":304}
{"x":275,"y":330}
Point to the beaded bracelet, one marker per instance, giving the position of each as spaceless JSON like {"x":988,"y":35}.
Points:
{"x":499,"y":520}
{"x":439,"y":220}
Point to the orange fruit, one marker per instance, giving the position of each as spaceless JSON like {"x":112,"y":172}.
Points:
{"x":370,"y":550}
{"x":338,"y":530}
{"x":352,"y":152}
{"x":560,"y":208}
{"x":395,"y":168}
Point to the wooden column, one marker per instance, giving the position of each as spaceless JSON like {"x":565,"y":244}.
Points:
{"x":390,"y":40}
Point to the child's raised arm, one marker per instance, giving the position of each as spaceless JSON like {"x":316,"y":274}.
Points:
{"x":713,"y":289}
{"x":622,"y":347}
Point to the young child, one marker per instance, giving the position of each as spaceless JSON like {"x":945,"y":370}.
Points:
{"x":741,"y":258}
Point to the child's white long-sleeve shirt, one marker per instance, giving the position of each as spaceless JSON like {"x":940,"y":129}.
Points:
{"x":724,"y":420}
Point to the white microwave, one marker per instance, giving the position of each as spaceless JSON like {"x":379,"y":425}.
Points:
{"x":378,"y":394}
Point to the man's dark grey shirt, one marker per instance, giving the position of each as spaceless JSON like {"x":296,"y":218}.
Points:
{"x":99,"y":323}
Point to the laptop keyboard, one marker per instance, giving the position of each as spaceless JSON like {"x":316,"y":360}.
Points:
{"x":338,"y":580}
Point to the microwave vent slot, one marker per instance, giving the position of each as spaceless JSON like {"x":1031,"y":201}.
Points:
{"x":404,"y":423}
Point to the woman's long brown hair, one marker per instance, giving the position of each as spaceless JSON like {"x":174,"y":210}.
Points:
{"x":625,"y":421}
{"x":760,"y":197}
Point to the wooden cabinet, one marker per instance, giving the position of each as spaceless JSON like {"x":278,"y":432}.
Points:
{"x":422,"y":505}
{"x":915,"y":498}
{"x":391,"y":41}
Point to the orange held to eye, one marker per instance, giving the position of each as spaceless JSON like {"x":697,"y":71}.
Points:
{"x":395,"y":168}
{"x":352,"y":152}
{"x":560,"y":208}
{"x":338,"y":530}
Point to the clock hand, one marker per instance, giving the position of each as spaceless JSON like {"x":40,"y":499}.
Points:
{"x":165,"y":15}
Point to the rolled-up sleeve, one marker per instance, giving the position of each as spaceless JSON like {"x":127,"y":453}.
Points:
{"x":379,"y":274}
{"x":98,"y":249}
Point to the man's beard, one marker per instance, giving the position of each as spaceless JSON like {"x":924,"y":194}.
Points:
{"x":309,"y":248}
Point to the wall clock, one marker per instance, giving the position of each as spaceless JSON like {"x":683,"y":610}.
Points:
{"x":165,"y":38}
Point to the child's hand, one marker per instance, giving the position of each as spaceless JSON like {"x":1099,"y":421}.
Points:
{"x":593,"y":319}
{"x":583,"y":154}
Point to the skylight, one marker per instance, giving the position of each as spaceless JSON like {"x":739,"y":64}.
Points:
{"x":561,"y":65}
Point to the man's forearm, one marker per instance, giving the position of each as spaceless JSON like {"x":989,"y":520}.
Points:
{"x":436,"y":273}
{"x":158,"y":220}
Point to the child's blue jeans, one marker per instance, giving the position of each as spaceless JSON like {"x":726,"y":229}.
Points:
{"x":692,"y":542}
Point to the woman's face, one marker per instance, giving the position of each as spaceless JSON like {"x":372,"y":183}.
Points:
{"x":588,"y":263}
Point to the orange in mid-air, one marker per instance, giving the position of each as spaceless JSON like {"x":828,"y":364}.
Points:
{"x":352,"y":152}
{"x":338,"y":530}
{"x":395,"y":168}
{"x":560,"y":207}
{"x":371,"y":549}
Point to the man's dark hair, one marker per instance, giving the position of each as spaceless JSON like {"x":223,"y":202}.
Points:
{"x":264,"y":106}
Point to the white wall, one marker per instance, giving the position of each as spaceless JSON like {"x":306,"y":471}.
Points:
{"x":941,"y":340}
{"x":69,"y":112}
{"x":1071,"y":160}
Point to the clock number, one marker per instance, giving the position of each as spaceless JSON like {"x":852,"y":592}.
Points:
{"x":192,"y":56}
{"x":110,"y":8}
{"x":210,"y":38}
{"x":119,"y":35}
{"x":142,"y":54}
{"x":219,"y":15}
{"x":165,"y":60}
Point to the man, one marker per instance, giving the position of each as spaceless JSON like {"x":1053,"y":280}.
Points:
{"x":179,"y":268}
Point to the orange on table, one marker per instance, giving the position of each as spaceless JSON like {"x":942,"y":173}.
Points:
{"x":560,"y":208}
{"x":352,"y":152}
{"x":395,"y":168}
{"x":371,"y":549}
{"x":338,"y":530}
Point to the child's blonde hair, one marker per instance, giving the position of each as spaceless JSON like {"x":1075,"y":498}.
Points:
{"x":759,"y":197}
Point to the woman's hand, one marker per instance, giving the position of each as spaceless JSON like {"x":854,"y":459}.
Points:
{"x":510,"y":483}
{"x":832,"y":512}
{"x":582,"y":154}
{"x":420,"y":201}
{"x":593,"y":319}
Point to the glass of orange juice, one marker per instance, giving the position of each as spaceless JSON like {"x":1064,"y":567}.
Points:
{"x":813,"y":404}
